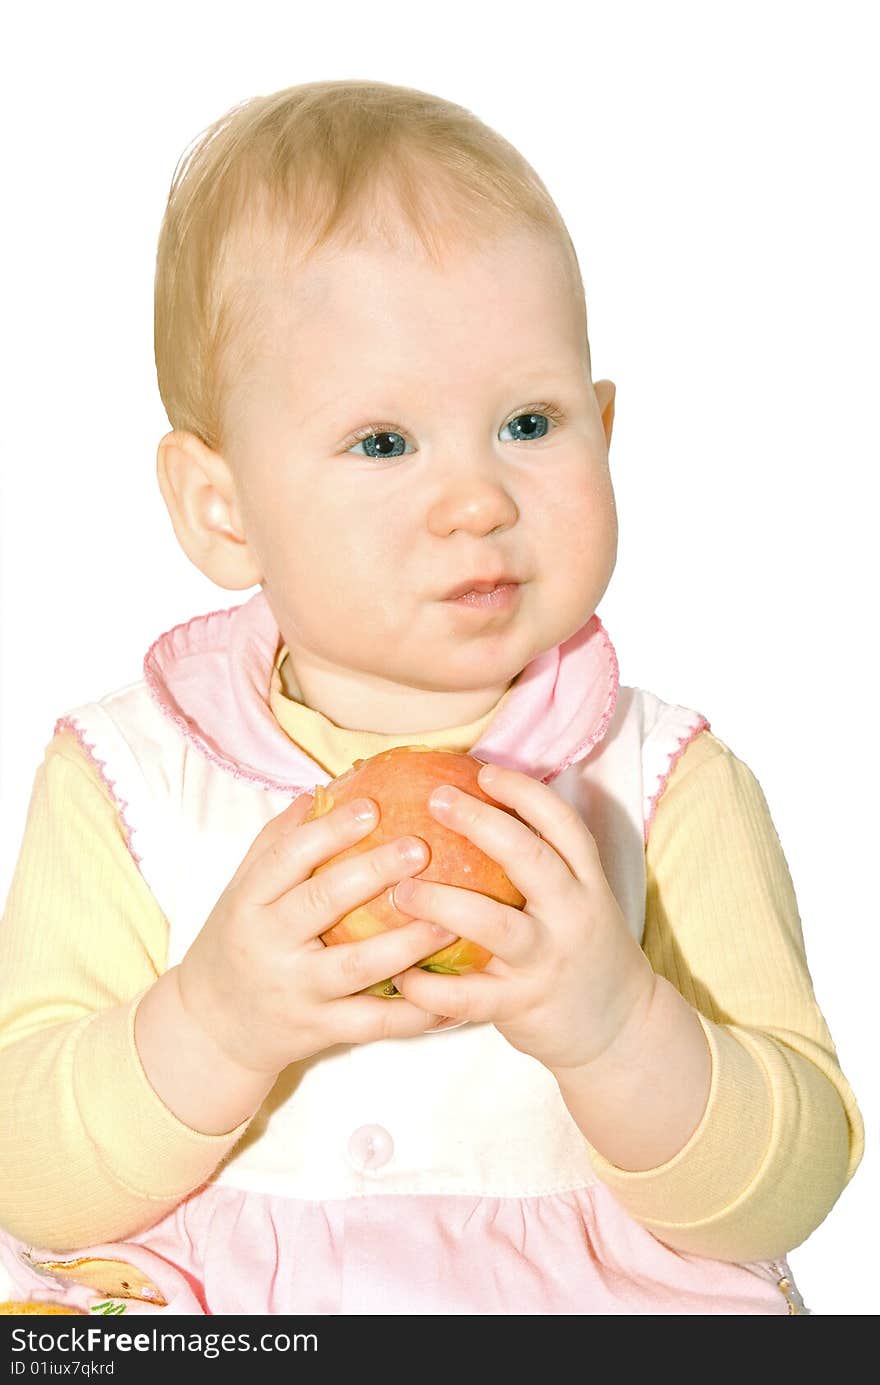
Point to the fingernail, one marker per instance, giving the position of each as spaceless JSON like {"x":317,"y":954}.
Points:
{"x":412,"y":849}
{"x":363,"y":809}
{"x":443,"y":934}
{"x":444,"y":797}
{"x":403,"y":890}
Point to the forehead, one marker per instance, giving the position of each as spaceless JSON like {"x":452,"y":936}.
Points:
{"x":384,"y":313}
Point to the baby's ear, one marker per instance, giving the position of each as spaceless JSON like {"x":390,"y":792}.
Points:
{"x":606,"y":392}
{"x":199,"y":492}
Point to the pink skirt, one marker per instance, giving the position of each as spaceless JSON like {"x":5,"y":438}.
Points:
{"x":225,"y":1251}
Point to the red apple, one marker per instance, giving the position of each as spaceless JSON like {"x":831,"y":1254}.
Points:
{"x":399,"y":781}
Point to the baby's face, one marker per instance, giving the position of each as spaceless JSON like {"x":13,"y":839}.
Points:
{"x":490,"y":460}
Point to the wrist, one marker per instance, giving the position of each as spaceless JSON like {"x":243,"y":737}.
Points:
{"x":640,"y":1101}
{"x":196,"y":1079}
{"x":635,"y":1004}
{"x":206,"y":1013}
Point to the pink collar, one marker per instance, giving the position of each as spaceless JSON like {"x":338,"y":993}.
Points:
{"x":211,"y":676}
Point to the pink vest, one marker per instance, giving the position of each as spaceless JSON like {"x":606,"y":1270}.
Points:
{"x":440,"y":1174}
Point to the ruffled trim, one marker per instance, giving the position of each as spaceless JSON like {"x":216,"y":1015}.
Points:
{"x":224,"y":1251}
{"x":684,"y":742}
{"x":69,"y":724}
{"x":203,"y":632}
{"x":611,"y":692}
{"x":210,"y":676}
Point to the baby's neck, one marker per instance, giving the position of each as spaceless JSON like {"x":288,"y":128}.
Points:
{"x":289,"y":685}
{"x":292,"y":689}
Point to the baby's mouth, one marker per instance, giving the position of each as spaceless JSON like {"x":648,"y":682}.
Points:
{"x":482,"y":586}
{"x":486,"y":597}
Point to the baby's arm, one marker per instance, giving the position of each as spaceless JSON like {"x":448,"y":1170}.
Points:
{"x":111,"y":1060}
{"x":92,"y":1153}
{"x":782,"y":1134}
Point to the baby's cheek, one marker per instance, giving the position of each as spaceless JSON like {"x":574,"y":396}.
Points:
{"x":587,"y":525}
{"x":376,"y":590}
{"x":391,"y":564}
{"x":583,"y":546}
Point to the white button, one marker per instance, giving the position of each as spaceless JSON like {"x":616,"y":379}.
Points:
{"x":370,"y":1147}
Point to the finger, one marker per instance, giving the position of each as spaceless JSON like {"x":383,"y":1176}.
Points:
{"x":346,"y":968}
{"x":317,"y":903}
{"x":296,"y":849}
{"x":474,"y":997}
{"x":554,"y":819}
{"x":362,"y":1019}
{"x":530,"y":863}
{"x":507,"y":933}
{"x":275,"y":829}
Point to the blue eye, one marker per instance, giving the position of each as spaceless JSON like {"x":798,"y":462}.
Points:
{"x":382,"y":439}
{"x":529,"y":426}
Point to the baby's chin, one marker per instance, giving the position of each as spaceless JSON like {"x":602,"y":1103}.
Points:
{"x":502,"y":655}
{"x":471,"y":669}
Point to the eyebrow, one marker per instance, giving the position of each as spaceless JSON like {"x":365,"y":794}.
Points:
{"x":545,"y":381}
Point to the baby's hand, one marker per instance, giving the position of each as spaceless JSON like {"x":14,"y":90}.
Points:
{"x":259,"y":980}
{"x":566,"y":974}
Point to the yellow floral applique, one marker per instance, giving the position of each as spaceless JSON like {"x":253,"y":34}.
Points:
{"x":113,"y":1279}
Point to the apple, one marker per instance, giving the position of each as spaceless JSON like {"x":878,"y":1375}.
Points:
{"x":400,"y":781}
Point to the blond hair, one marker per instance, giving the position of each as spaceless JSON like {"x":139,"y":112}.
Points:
{"x":324,"y":164}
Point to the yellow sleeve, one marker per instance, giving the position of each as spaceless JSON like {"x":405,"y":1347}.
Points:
{"x":781,"y":1135}
{"x":90,"y":1152}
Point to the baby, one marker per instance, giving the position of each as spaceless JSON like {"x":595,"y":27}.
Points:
{"x":372,"y":347}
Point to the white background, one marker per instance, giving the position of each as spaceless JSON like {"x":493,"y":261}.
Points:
{"x":717,"y":167}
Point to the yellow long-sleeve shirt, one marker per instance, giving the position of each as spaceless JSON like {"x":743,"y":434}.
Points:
{"x":91,"y":1153}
